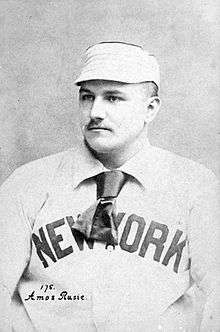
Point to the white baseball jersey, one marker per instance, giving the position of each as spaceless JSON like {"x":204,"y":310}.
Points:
{"x":163,"y":275}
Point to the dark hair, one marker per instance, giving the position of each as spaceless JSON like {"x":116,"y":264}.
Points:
{"x":151,"y":88}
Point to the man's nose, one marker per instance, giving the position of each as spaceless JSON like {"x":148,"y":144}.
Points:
{"x":97,"y":110}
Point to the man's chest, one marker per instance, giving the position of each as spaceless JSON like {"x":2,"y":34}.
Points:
{"x":150,"y":259}
{"x":152,"y":225}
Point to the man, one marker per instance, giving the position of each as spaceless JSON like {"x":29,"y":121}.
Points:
{"x":115,"y":234}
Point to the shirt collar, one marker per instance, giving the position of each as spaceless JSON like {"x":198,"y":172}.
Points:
{"x":141,"y":164}
{"x":87,"y":166}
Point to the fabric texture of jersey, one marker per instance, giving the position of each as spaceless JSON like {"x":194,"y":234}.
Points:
{"x":163,"y":275}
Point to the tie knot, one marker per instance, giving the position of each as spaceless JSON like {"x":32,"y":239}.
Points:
{"x":109,"y":183}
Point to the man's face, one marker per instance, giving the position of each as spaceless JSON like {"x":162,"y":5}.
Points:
{"x":113,"y":114}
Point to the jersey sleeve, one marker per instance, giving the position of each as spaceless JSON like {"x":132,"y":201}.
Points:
{"x":204,"y":248}
{"x":14,"y":244}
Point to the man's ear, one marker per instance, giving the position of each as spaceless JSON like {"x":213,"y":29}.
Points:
{"x":153,"y":106}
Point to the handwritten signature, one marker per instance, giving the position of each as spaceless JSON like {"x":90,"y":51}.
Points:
{"x":46,"y":293}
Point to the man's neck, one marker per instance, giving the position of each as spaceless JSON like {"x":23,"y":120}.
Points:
{"x":116,"y":158}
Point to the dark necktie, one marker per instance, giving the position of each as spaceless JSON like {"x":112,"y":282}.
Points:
{"x":98,"y":222}
{"x":109,"y":185}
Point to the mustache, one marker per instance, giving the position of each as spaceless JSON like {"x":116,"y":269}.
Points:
{"x":94,"y":124}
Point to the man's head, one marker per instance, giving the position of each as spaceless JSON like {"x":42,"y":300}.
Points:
{"x":118,"y":96}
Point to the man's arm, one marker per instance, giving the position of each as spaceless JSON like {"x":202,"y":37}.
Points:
{"x":14,"y":245}
{"x":204,"y":247}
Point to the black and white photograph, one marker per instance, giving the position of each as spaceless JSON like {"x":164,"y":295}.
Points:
{"x":109,"y":166}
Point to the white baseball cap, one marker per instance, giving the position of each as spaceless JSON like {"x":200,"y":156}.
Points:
{"x":121,"y":62}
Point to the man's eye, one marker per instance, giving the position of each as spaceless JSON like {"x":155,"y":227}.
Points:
{"x":113,"y":99}
{"x":87,"y":97}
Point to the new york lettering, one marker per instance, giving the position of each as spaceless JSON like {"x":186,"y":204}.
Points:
{"x":175,"y":249}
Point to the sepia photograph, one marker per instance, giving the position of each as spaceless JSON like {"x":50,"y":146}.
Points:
{"x":109,"y":166}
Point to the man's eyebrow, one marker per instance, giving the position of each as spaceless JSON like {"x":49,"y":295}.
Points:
{"x":84,"y":90}
{"x":106,"y":92}
{"x":114,"y":92}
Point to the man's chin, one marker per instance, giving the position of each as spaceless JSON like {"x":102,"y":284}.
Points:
{"x":99,"y":147}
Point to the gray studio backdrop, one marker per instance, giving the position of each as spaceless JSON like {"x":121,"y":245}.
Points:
{"x":41,"y":44}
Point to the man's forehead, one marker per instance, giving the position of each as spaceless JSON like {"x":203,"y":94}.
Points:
{"x":108,"y":86}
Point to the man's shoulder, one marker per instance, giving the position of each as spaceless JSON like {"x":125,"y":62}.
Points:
{"x":180,"y":167}
{"x":47,"y":163}
{"x":42,"y":170}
